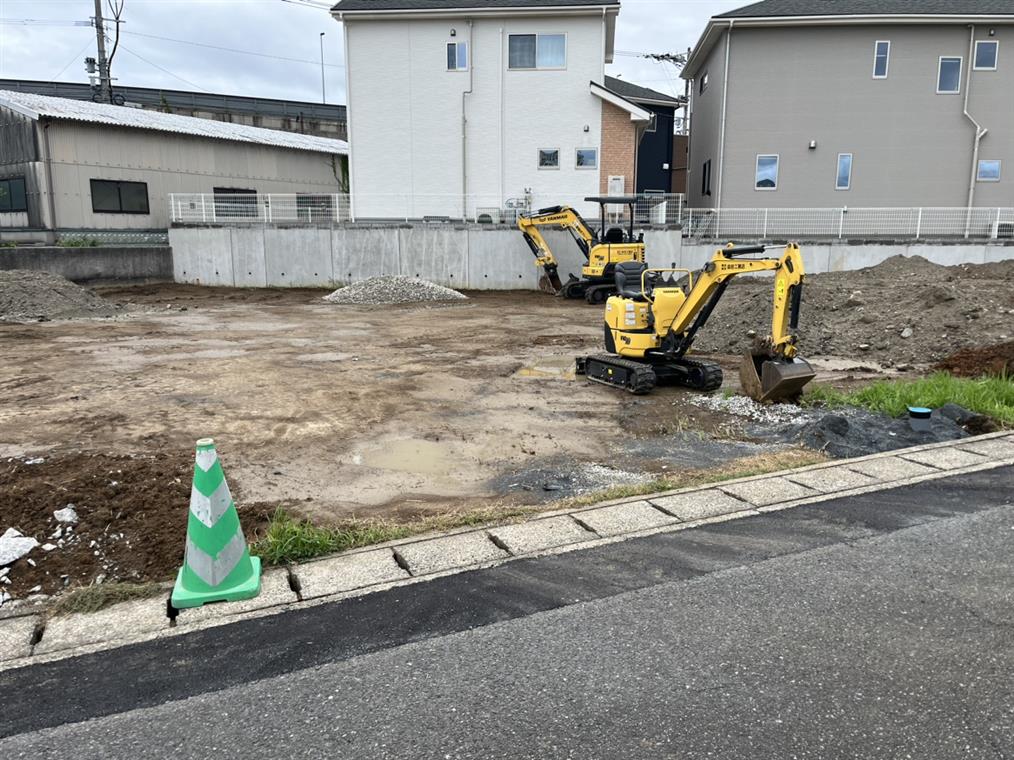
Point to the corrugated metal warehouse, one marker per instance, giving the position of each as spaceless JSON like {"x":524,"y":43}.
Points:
{"x":73,"y":166}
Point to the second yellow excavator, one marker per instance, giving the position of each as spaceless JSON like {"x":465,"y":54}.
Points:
{"x":612,"y":246}
{"x":651,"y":324}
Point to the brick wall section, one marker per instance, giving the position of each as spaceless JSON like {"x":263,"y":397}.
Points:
{"x":618,"y":155}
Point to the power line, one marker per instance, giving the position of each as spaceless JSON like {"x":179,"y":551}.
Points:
{"x":160,"y":68}
{"x":233,"y":50}
{"x":75,"y":58}
{"x":42,"y":22}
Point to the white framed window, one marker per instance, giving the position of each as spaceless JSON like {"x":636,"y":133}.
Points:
{"x":988,"y":170}
{"x":843,"y":177}
{"x":549,"y":158}
{"x":986,"y":52}
{"x":704,"y":82}
{"x":881,"y":58}
{"x":949,"y":75}
{"x":537,"y":51}
{"x":766,"y":177}
{"x":457,"y":56}
{"x":586,"y":158}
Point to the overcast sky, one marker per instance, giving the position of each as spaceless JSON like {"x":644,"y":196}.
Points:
{"x":55,"y":49}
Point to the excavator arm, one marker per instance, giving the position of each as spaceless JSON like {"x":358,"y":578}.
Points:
{"x":557,"y":217}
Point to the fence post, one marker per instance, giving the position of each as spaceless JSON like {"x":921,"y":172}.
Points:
{"x":765,"y":235}
{"x":267,"y":205}
{"x":841,"y":224}
{"x":204,"y":211}
{"x":918,"y":225}
{"x":337,"y":211}
{"x":996,"y":225}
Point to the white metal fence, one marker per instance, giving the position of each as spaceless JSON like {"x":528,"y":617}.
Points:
{"x":649,"y":210}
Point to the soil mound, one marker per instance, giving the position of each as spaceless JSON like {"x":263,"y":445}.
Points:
{"x":976,"y":362}
{"x":378,"y":290}
{"x":40,"y":296}
{"x":906,"y":310}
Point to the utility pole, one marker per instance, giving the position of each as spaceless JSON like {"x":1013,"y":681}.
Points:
{"x":679,"y":60}
{"x":323,"y":87}
{"x":105,"y":84}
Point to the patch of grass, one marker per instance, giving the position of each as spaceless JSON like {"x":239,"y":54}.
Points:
{"x":78,"y":242}
{"x":291,"y":539}
{"x":8,"y":244}
{"x":991,"y":396}
{"x":95,"y":598}
{"x":759,"y":464}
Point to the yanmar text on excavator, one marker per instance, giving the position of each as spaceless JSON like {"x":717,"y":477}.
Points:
{"x":651,"y":324}
{"x":602,"y":251}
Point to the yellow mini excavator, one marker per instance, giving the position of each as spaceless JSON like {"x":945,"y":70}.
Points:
{"x":602,"y":252}
{"x":651,"y":323}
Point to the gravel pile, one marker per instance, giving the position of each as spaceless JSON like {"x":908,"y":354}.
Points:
{"x":903,"y":311}
{"x":743,"y":406}
{"x":39,"y":296}
{"x":395,"y":289}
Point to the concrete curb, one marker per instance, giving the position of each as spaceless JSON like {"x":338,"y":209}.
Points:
{"x":31,"y":638}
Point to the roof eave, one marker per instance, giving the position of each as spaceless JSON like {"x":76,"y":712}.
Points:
{"x":719,"y":24}
{"x":637,"y":114}
{"x":557,"y":10}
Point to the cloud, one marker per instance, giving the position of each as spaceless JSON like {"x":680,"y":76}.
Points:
{"x":283,"y":29}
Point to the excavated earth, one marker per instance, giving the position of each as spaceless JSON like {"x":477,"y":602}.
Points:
{"x":903,"y":311}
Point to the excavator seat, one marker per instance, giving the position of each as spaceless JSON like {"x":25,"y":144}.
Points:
{"x":615,"y":236}
{"x":628,"y":279}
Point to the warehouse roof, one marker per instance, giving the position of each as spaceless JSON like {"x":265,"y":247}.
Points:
{"x":366,"y":6}
{"x":639,"y":94}
{"x":776,"y":8}
{"x":43,"y":106}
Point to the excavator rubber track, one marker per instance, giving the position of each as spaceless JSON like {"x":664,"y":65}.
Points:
{"x":636,"y":377}
{"x":690,"y":373}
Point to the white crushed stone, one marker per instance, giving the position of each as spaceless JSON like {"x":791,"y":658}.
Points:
{"x":743,"y":406}
{"x":14,"y":546}
{"x":66,"y":515}
{"x":392,"y":289}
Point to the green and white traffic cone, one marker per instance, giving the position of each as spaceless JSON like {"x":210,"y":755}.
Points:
{"x":217,"y":566}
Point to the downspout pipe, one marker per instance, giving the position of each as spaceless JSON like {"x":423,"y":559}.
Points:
{"x":51,"y":191}
{"x":725,"y":101}
{"x":464,"y":127}
{"x":980,"y":131}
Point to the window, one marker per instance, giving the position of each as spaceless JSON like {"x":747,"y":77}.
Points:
{"x":587,"y":158}
{"x":881,"y":58}
{"x":988,"y":171}
{"x":115,"y":197}
{"x":549,"y":158}
{"x":704,"y":82}
{"x":457,"y":56}
{"x":706,"y":178}
{"x":985,"y":55}
{"x":843,"y":179}
{"x":652,"y":124}
{"x":12,"y":195}
{"x":767,"y":173}
{"x":235,"y":202}
{"x":949,"y":75}
{"x":537,"y":51}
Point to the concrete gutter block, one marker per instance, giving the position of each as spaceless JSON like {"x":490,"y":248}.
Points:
{"x":889,"y":469}
{"x":832,"y":479}
{"x":997,"y":448}
{"x":539,"y":535}
{"x":625,"y":518}
{"x":946,"y":459}
{"x":121,"y":621}
{"x":764,"y":493}
{"x":275,"y":591}
{"x":347,"y":572}
{"x":16,"y":637}
{"x":700,"y":505}
{"x":449,"y":552}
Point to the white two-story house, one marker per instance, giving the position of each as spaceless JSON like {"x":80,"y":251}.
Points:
{"x":459,"y":107}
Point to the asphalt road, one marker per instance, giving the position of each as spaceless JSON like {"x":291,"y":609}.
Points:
{"x":875,"y":627}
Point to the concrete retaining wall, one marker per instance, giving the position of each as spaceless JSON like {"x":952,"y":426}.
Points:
{"x":104,"y":263}
{"x":469,"y":257}
{"x":847,"y":255}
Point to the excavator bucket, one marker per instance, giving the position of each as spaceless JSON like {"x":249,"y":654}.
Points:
{"x":768,"y":379}
{"x":550,"y":283}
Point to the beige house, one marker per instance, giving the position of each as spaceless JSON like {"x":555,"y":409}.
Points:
{"x":69,"y":166}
